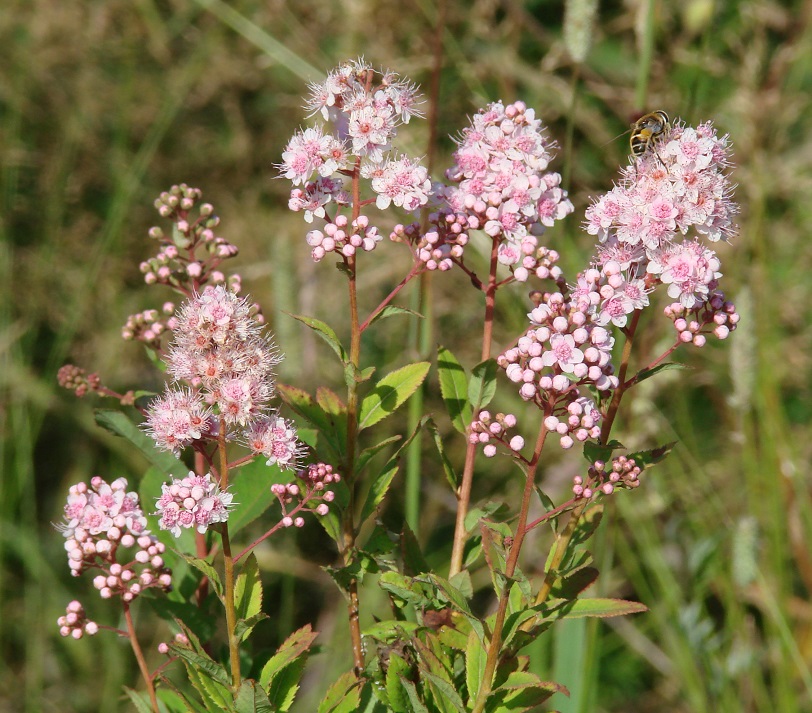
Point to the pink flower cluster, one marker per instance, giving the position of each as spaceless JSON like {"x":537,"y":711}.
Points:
{"x":716,"y":316}
{"x":624,"y":473}
{"x":275,"y":438}
{"x":337,"y":237}
{"x":193,"y":501}
{"x":100,"y":520}
{"x":75,"y":622}
{"x":366,"y":108}
{"x":314,"y":479}
{"x":580,"y":419}
{"x":220,"y":351}
{"x":491,"y":431}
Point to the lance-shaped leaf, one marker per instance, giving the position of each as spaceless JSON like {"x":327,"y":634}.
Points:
{"x":653,"y":455}
{"x":454,"y":389}
{"x":303,"y":404}
{"x":390,"y":392}
{"x":392,"y":311}
{"x":448,"y":469}
{"x":597,"y":451}
{"x":293,"y":650}
{"x":206,"y":569}
{"x":644,"y":374}
{"x":248,"y":589}
{"x":343,"y":696}
{"x":482,"y":386}
{"x":325,"y":331}
{"x":598,"y":607}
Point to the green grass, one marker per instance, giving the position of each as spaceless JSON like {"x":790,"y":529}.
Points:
{"x":103,"y":106}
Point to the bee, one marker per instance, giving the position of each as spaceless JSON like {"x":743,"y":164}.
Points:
{"x":647,"y":128}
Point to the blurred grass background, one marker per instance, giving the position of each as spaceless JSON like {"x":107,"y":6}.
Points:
{"x":103,"y":105}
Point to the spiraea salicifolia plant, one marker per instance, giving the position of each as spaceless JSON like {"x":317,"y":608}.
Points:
{"x":432,"y":649}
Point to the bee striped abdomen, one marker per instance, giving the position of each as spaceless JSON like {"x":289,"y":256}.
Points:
{"x":647,"y":128}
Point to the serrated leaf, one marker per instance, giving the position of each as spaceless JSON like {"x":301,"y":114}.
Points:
{"x":414,"y":698}
{"x":455,"y":597}
{"x":393,"y":311}
{"x":140,"y":704}
{"x":117,"y":423}
{"x":390,"y":630}
{"x":204,"y":664}
{"x":390,"y":392}
{"x":443,"y":692}
{"x":244,"y":627}
{"x":378,"y":488}
{"x":285,"y":685}
{"x":475,"y":657}
{"x":407,"y":589}
{"x":571,"y":586}
{"x":587,"y":525}
{"x":395,"y":692}
{"x":294,"y":647}
{"x":368,"y":454}
{"x":343,"y":696}
{"x":597,"y":451}
{"x":326,"y":332}
{"x":454,"y":389}
{"x":248,"y":589}
{"x":448,"y":469}
{"x":599,"y":607}
{"x":303,"y":404}
{"x":251,"y":698}
{"x":206,"y":569}
{"x":482,"y":386}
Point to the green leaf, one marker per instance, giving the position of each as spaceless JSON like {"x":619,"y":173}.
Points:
{"x":378,"y":488}
{"x":413,"y":561}
{"x":326,"y":332}
{"x":454,"y":389}
{"x":244,"y":627}
{"x":251,"y":487}
{"x":482,"y":386}
{"x":390,"y":630}
{"x":368,"y":454}
{"x":392,"y":311}
{"x":251,"y":698}
{"x":335,"y":409}
{"x":303,"y":404}
{"x":587,"y":525}
{"x":444,"y":693}
{"x":204,"y":664}
{"x":644,"y":374}
{"x":206,"y":569}
{"x":296,"y":646}
{"x":285,"y":685}
{"x":414,"y":697}
{"x":571,"y":586}
{"x":395,"y":675}
{"x":475,"y":657}
{"x":119,"y":424}
{"x":522,"y":691}
{"x":138,"y":700}
{"x":453,"y":595}
{"x":597,"y":451}
{"x":390,"y":392}
{"x":406,"y":589}
{"x":248,"y":591}
{"x":448,"y":469}
{"x":652,"y":456}
{"x":343,"y":696}
{"x":599,"y":607}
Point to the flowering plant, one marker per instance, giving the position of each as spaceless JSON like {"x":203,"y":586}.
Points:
{"x":434,"y":650}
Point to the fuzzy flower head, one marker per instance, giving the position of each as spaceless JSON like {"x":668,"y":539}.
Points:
{"x":194,"y":501}
{"x":677,"y":187}
{"x":275,"y":438}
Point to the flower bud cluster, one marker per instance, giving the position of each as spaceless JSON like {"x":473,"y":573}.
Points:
{"x":99,"y":521}
{"x":365,"y":109}
{"x":580,"y":420}
{"x":563,"y":348}
{"x":193,"y":501}
{"x":187,"y":259}
{"x":623,"y":473}
{"x":716,"y":316}
{"x":491,"y":431}
{"x":336,"y":238}
{"x":75,"y":622}
{"x":443,"y":243}
{"x":314,"y":479}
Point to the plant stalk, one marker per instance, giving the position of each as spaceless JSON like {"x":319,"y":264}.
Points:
{"x":139,"y":656}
